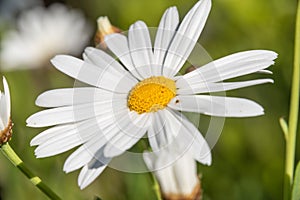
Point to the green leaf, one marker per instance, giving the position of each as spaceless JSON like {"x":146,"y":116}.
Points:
{"x":296,"y":185}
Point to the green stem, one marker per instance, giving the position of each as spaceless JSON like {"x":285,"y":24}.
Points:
{"x":293,"y":117}
{"x":16,"y":161}
{"x":156,"y":187}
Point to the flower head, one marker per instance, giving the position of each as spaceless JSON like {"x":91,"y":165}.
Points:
{"x":5,"y":119}
{"x":178,"y":180}
{"x":43,"y":33}
{"x":141,"y":92}
{"x":104,"y":28}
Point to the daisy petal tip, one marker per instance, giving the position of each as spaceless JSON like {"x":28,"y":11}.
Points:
{"x":205,"y":159}
{"x":88,"y":50}
{"x":274,"y":54}
{"x":38,"y":100}
{"x":208,"y":161}
{"x":269,"y":80}
{"x":259,"y":112}
{"x":37,"y":155}
{"x":140,"y":23}
{"x":173,"y":10}
{"x":55,"y":58}
{"x":4,"y":81}
{"x":30,"y":121}
{"x":82,"y":185}
{"x":33,"y":142}
{"x":66,"y":167}
{"x":265,"y":72}
{"x":66,"y":170}
{"x":59,"y":59}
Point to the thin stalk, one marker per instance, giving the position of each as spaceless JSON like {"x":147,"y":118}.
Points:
{"x":35,"y":180}
{"x":293,"y":117}
{"x":156,"y":187}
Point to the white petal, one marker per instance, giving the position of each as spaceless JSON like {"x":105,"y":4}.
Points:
{"x":186,"y":37}
{"x":180,"y":177}
{"x":108,"y":129}
{"x":3,"y":120}
{"x":118,"y":44}
{"x":68,"y":114}
{"x":185,"y":171}
{"x":50,"y":133}
{"x":90,"y":172}
{"x":59,"y":144}
{"x":7,"y":99}
{"x":78,"y":158}
{"x":201,"y":87}
{"x":265,"y":72}
{"x":102,"y":60}
{"x":63,"y":138}
{"x":216,"y":105}
{"x":62,"y":115}
{"x":92,"y":149}
{"x":91,"y":74}
{"x":4,"y":105}
{"x":163,"y":38}
{"x":231,"y":66}
{"x":67,"y":96}
{"x":141,"y":48}
{"x":187,"y":138}
{"x":75,"y":96}
{"x":132,"y":128}
{"x":158,"y":136}
{"x":165,"y":175}
{"x":107,"y":63}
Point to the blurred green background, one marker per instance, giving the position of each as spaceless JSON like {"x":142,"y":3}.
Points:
{"x":248,"y":158}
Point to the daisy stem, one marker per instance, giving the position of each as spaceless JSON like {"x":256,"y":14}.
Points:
{"x":293,"y":116}
{"x":35,"y":180}
{"x":156,"y":187}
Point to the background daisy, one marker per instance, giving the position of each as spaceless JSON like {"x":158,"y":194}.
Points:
{"x":42,"y":33}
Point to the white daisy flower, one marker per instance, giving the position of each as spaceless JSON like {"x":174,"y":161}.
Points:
{"x":141,"y":92}
{"x":177,"y":181}
{"x":43,"y":33}
{"x":5,"y":119}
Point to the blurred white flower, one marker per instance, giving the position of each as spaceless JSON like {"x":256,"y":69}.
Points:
{"x":43,"y":33}
{"x":178,"y":181}
{"x":142,"y":92}
{"x":5,"y":118}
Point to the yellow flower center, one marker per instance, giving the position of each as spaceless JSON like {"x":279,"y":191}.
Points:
{"x":151,"y":94}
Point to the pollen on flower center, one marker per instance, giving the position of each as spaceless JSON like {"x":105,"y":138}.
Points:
{"x":151,"y":94}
